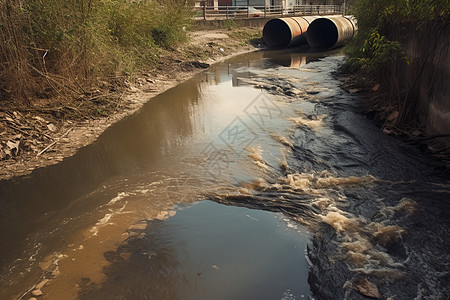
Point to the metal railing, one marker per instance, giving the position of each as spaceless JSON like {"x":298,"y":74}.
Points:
{"x":241,"y":12}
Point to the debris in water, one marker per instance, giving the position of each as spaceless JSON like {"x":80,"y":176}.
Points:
{"x":376,"y":87}
{"x":393,"y":116}
{"x":254,"y":219}
{"x":368,"y":289}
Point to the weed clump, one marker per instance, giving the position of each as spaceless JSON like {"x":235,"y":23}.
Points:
{"x":379,"y":51}
{"x":64,"y":46}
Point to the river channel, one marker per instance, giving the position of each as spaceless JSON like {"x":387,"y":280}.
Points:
{"x":259,"y":178}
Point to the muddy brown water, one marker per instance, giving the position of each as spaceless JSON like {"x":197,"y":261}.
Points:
{"x":270,"y":134}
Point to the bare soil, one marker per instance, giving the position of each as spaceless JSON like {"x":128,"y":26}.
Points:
{"x":46,"y":132}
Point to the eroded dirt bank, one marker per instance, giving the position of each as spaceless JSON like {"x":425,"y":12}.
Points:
{"x":45,"y":133}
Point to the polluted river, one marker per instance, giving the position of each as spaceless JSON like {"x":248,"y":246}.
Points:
{"x":259,"y":178}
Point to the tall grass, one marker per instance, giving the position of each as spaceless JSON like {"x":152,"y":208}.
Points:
{"x":378,"y":51}
{"x":381,"y":29}
{"x":63,"y":46}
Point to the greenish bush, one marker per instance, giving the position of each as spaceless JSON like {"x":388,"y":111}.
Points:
{"x":376,"y":54}
{"x":376,"y":44}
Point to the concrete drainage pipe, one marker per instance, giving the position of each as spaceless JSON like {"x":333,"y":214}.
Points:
{"x":331,"y":32}
{"x":286,"y":32}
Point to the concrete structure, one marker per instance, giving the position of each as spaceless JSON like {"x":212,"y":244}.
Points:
{"x":259,"y":3}
{"x":285,"y":3}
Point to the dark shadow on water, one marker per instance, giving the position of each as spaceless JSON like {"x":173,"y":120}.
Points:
{"x":207,"y":251}
{"x":144,"y":267}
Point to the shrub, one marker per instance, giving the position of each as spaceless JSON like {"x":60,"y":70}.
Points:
{"x":63,"y":45}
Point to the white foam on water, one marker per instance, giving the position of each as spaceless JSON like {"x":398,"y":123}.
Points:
{"x":255,"y":153}
{"x":283,"y":162}
{"x":119,"y":197}
{"x":313,"y":122}
{"x":282,"y":139}
{"x":105,"y":220}
{"x":340,"y":222}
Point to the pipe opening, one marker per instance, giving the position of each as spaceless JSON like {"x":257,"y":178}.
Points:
{"x":277,"y":34}
{"x":322,"y":33}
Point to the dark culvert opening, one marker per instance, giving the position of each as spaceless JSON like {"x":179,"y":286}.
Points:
{"x":322,"y":33}
{"x":277,"y":34}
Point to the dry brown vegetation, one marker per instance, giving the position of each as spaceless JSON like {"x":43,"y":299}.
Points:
{"x":62,"y":47}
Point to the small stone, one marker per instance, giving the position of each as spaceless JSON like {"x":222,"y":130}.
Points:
{"x":376,"y":87}
{"x":41,"y":284}
{"x":387,"y":131}
{"x":51,"y":127}
{"x":140,"y":226}
{"x":37,"y":293}
{"x":134,"y":89}
{"x":393,"y":116}
{"x":352,"y":91}
{"x":162,"y":215}
{"x":40,"y":119}
{"x":32,"y":298}
{"x":81,"y":247}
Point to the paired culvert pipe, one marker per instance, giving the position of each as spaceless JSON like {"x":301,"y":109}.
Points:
{"x":286,"y":32}
{"x":319,"y":32}
{"x":331,"y":32}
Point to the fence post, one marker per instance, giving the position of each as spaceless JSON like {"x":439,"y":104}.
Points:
{"x":204,"y":10}
{"x":248,"y":13}
{"x":227,"y":12}
{"x":265,"y":8}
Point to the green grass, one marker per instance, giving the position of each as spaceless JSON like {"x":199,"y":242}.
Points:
{"x":381,"y":28}
{"x":377,"y":54}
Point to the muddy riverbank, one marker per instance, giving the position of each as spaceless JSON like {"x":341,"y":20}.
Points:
{"x":44,"y":134}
